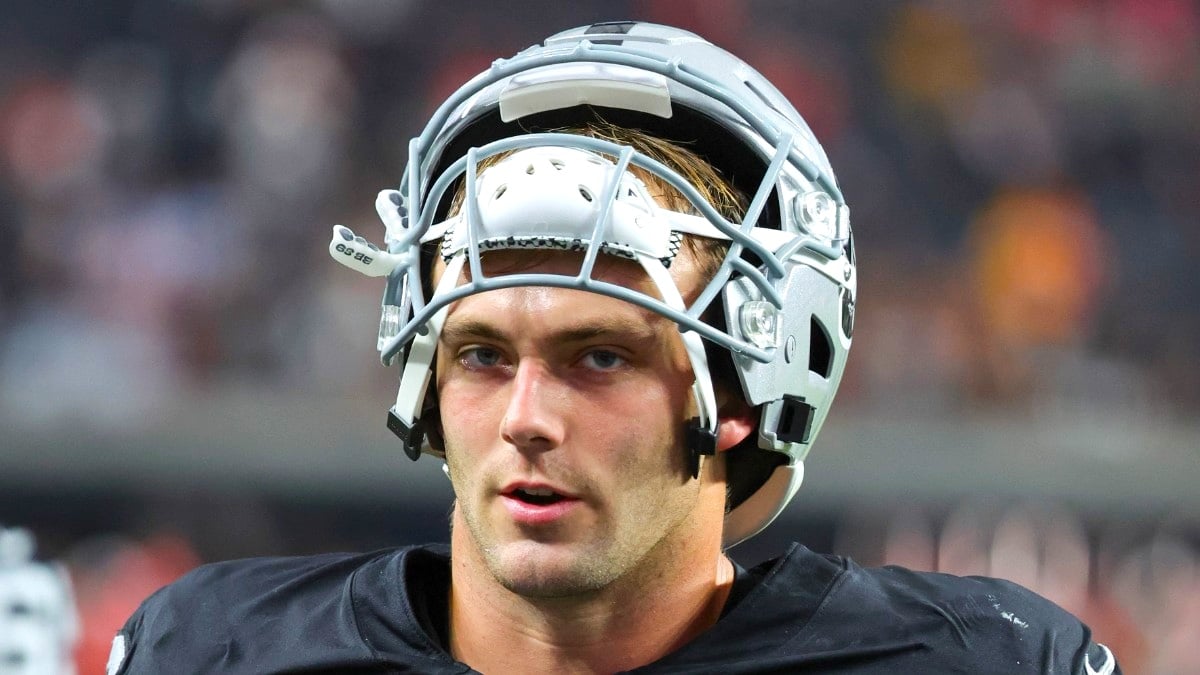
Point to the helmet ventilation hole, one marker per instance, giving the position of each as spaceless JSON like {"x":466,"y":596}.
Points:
{"x":583,"y":191}
{"x":820,"y":350}
{"x":558,"y":164}
{"x":529,"y":169}
{"x":500,"y":192}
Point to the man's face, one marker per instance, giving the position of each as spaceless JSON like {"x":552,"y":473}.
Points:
{"x":563,"y":413}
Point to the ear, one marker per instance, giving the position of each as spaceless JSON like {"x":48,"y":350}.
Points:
{"x":735,"y":425}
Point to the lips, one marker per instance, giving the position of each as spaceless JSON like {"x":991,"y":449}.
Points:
{"x":536,"y":496}
{"x":537,"y":503}
{"x":537,"y":493}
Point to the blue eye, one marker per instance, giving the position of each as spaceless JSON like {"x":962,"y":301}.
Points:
{"x":480,"y":357}
{"x":602,"y":359}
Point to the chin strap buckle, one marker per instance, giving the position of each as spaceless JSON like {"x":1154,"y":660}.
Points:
{"x":411,"y":437}
{"x":700,"y":441}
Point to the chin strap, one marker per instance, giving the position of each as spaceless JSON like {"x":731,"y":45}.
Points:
{"x":700,"y":440}
{"x":700,"y":434}
{"x":404,"y":419}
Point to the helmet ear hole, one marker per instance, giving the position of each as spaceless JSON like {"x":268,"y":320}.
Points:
{"x":820,"y":350}
{"x":747,"y":468}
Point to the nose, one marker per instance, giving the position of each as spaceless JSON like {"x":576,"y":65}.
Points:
{"x":532,"y":421}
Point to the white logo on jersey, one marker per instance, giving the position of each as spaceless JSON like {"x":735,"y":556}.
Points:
{"x":116,"y":657}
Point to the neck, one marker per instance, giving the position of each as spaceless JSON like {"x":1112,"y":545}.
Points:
{"x":641,"y":617}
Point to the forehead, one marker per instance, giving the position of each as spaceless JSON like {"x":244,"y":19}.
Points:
{"x":684,"y":270}
{"x":566,"y":312}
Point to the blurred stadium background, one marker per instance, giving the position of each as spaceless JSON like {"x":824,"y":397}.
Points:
{"x":185,"y":376}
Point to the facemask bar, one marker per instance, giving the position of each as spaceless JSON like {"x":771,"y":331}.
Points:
{"x":740,"y":236}
{"x":417,"y":370}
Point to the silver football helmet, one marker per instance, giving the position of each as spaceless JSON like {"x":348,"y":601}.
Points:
{"x":787,"y":284}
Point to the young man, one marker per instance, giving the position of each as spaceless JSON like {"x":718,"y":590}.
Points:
{"x":620,"y":290}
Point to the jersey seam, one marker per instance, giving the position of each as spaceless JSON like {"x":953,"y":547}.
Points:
{"x":827,"y":592}
{"x":354,"y":614}
{"x":826,"y":596}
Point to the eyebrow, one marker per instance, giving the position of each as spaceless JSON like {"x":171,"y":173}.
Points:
{"x":474,"y":329}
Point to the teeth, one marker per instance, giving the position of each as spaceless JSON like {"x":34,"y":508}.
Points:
{"x":538,"y":492}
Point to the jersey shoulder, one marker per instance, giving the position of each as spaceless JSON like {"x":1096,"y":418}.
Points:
{"x":809,"y":612}
{"x":256,"y":615}
{"x":982,"y":624}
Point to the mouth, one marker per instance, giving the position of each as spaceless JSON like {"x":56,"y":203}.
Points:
{"x":536,"y":496}
{"x":538,"y":505}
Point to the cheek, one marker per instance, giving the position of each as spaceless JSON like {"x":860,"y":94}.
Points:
{"x":465,"y":412}
{"x":638,"y":425}
{"x":463,"y":423}
{"x":647,"y":431}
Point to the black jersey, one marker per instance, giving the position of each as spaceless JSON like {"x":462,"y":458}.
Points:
{"x":385,"y":612}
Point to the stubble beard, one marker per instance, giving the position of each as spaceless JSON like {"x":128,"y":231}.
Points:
{"x":589,"y":567}
{"x":586,"y":566}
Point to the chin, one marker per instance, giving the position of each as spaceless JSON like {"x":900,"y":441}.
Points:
{"x":535,"y":572}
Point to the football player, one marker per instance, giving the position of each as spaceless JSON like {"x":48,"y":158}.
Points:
{"x":619,"y":291}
